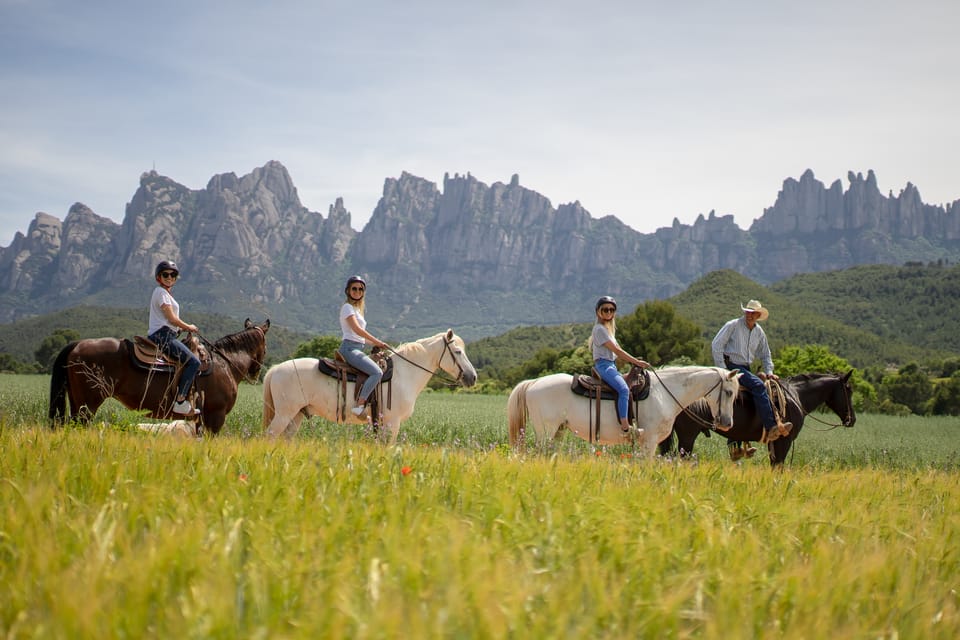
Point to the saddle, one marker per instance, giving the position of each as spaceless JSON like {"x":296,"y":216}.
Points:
{"x":343,"y":372}
{"x":145,"y":354}
{"x":638,"y":381}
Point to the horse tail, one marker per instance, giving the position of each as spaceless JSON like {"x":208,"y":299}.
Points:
{"x":268,"y":408}
{"x":518,"y":412}
{"x":59,"y":386}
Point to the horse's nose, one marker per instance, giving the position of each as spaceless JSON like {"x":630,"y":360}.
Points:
{"x":469,"y":378}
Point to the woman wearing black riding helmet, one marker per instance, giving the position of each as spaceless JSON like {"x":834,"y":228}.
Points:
{"x":353,"y":325}
{"x":165,"y":323}
{"x":603,"y":344}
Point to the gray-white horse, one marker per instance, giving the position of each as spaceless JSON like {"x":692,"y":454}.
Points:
{"x":295,"y":388}
{"x":548,"y":404}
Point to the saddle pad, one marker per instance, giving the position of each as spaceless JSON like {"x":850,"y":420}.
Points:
{"x":331,"y":367}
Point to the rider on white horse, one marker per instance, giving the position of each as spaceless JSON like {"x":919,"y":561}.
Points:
{"x":603,"y":344}
{"x":355,"y":336}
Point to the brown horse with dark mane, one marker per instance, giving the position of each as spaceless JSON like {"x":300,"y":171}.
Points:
{"x":804,"y":393}
{"x":87,"y":372}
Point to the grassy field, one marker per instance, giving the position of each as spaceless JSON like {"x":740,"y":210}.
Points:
{"x":110,"y":532}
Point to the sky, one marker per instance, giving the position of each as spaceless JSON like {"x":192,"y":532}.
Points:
{"x":648,"y":111}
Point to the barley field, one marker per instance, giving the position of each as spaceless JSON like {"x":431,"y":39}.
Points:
{"x":112,"y":532}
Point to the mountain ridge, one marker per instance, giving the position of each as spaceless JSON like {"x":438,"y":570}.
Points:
{"x":483,"y":258}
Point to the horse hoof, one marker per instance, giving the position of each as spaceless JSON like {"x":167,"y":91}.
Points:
{"x":749,"y":451}
{"x":736,"y":453}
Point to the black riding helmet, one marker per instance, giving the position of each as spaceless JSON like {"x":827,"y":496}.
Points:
{"x":351,"y":280}
{"x":606,"y":300}
{"x":166,"y":265}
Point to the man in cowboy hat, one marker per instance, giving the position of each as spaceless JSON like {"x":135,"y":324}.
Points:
{"x":738,"y":343}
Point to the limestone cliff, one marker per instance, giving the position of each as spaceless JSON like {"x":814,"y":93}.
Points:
{"x":485,"y":257}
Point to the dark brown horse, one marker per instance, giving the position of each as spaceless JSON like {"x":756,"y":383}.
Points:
{"x":87,"y":372}
{"x":805,"y":392}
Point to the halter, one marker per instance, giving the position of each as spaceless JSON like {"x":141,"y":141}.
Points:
{"x":451,"y":382}
{"x":690,"y":414}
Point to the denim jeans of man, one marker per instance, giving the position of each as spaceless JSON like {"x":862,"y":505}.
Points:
{"x":758,"y":389}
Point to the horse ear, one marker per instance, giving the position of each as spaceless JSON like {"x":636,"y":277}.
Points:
{"x":449,"y":334}
{"x":247,"y":324}
{"x":266,"y":325}
{"x":846,"y":378}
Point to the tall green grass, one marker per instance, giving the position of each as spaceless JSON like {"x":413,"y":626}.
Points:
{"x":109,"y":532}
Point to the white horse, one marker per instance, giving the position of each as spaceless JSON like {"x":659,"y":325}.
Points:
{"x":549,"y":404}
{"x":295,"y":388}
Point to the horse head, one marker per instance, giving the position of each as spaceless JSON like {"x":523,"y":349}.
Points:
{"x":250,"y":343}
{"x":729,"y":387}
{"x":840,"y":399}
{"x":259,"y":353}
{"x":457,"y":364}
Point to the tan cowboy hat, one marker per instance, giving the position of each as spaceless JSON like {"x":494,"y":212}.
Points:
{"x":754,"y":305}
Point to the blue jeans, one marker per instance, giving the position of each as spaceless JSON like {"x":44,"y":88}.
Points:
{"x":609,"y":374}
{"x":166,"y":339}
{"x":758,"y":390}
{"x":352,"y":352}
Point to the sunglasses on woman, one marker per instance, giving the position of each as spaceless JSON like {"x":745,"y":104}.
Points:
{"x":607,"y":309}
{"x":360,"y":289}
{"x":169,"y":274}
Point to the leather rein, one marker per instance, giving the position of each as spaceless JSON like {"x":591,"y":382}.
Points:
{"x":690,"y":414}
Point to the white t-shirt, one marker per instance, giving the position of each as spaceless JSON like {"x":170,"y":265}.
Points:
{"x":346,"y":311}
{"x":158,"y":319}
{"x":601,"y":336}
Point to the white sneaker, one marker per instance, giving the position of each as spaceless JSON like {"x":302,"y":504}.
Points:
{"x":358,"y":410}
{"x":182,"y":407}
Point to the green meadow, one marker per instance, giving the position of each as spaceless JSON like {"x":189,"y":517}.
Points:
{"x":112,"y":532}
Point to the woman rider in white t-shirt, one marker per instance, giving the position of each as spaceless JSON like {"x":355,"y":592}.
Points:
{"x":355,"y":337}
{"x":164,"y":325}
{"x":603,"y":344}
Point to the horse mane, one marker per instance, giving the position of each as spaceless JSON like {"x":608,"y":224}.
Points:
{"x":409,"y":348}
{"x":246,"y":340}
{"x":417,"y":346}
{"x":805,"y":377}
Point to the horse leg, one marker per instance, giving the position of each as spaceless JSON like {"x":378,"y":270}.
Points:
{"x":281,"y":425}
{"x":394,"y":429}
{"x":213,"y":421}
{"x":293,"y":426}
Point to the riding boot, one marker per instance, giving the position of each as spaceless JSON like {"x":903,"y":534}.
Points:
{"x":770,"y":434}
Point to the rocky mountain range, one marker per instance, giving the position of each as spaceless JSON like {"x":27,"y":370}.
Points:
{"x":480,"y":258}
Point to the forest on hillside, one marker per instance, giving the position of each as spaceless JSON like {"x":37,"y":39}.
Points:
{"x":872,"y":316}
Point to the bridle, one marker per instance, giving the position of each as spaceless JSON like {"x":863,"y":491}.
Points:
{"x":690,"y":414}
{"x":451,"y":382}
{"x":844,"y":420}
